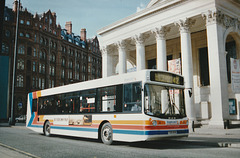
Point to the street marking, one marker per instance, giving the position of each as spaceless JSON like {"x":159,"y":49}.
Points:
{"x":19,"y":151}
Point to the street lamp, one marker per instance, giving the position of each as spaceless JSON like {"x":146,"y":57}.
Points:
{"x":12,"y":118}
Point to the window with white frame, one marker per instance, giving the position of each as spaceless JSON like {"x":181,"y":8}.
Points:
{"x":20,"y":81}
{"x":20,"y":64}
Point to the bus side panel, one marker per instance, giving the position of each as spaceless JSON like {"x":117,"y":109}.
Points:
{"x":74,"y":132}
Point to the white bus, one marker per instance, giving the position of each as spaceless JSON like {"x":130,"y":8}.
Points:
{"x":137,"y":106}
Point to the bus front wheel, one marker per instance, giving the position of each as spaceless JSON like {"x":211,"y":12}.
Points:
{"x":46,"y":129}
{"x":107,"y":134}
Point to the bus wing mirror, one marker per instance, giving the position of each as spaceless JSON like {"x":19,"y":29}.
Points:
{"x":190,"y":92}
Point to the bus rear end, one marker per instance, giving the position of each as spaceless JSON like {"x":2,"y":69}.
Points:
{"x":32,"y":114}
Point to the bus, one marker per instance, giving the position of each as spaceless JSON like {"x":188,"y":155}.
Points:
{"x":138,"y":106}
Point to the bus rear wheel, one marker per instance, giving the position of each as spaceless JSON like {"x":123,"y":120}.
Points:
{"x":46,"y":129}
{"x":107,"y":134}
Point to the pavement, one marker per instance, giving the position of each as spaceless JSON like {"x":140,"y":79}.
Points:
{"x":232,"y":135}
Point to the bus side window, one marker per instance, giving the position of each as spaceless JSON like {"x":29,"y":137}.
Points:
{"x":34,"y":105}
{"x":87,"y":101}
{"x":107,"y":99}
{"x":132,"y":97}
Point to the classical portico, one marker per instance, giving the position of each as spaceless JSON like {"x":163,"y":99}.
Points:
{"x":194,"y":31}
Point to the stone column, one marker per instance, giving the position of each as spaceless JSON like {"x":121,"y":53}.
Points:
{"x":160,"y":34}
{"x":140,"y":51}
{"x":217,"y":67}
{"x":106,"y":62}
{"x":122,"y":57}
{"x":187,"y":65}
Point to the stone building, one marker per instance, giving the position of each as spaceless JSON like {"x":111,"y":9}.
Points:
{"x":203,"y":34}
{"x":47,"y":56}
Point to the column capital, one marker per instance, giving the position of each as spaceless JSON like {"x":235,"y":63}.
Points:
{"x":218,"y":17}
{"x":160,"y":33}
{"x":139,"y":39}
{"x":185,"y":25}
{"x":105,"y":49}
{"x":121,"y":44}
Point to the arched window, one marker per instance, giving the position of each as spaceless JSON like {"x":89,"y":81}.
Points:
{"x":42,"y":54}
{"x":52,"y":57}
{"x":63,"y":61}
{"x":52,"y":70}
{"x":231,"y":53}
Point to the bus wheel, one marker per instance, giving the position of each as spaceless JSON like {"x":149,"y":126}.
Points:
{"x":106,"y":134}
{"x":46,"y":129}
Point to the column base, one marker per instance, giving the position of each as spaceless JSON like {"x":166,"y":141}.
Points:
{"x":217,"y":124}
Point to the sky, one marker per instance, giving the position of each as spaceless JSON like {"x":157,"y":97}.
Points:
{"x":90,"y":14}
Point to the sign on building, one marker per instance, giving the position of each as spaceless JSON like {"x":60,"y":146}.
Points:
{"x":175,"y":66}
{"x":235,"y":75}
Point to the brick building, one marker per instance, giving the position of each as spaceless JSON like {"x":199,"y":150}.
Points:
{"x":47,"y":56}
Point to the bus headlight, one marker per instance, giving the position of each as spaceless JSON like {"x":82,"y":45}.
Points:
{"x":154,"y":123}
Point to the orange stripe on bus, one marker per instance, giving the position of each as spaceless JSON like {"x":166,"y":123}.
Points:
{"x":126,"y":122}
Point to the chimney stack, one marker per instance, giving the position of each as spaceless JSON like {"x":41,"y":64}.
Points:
{"x":15,"y":6}
{"x":68,"y":27}
{"x":83,"y":34}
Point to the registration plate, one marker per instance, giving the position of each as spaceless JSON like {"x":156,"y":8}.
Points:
{"x":172,"y":132}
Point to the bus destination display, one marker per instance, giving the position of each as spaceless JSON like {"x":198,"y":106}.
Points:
{"x":166,"y":78}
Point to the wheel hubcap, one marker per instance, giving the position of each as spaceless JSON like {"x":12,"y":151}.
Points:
{"x":107,"y":134}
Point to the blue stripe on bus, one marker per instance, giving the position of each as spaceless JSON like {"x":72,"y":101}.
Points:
{"x":75,"y":128}
{"x":37,"y":126}
{"x":33,"y":115}
{"x":129,"y":132}
{"x":166,"y":132}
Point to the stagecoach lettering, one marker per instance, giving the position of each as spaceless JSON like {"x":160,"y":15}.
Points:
{"x":61,"y":121}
